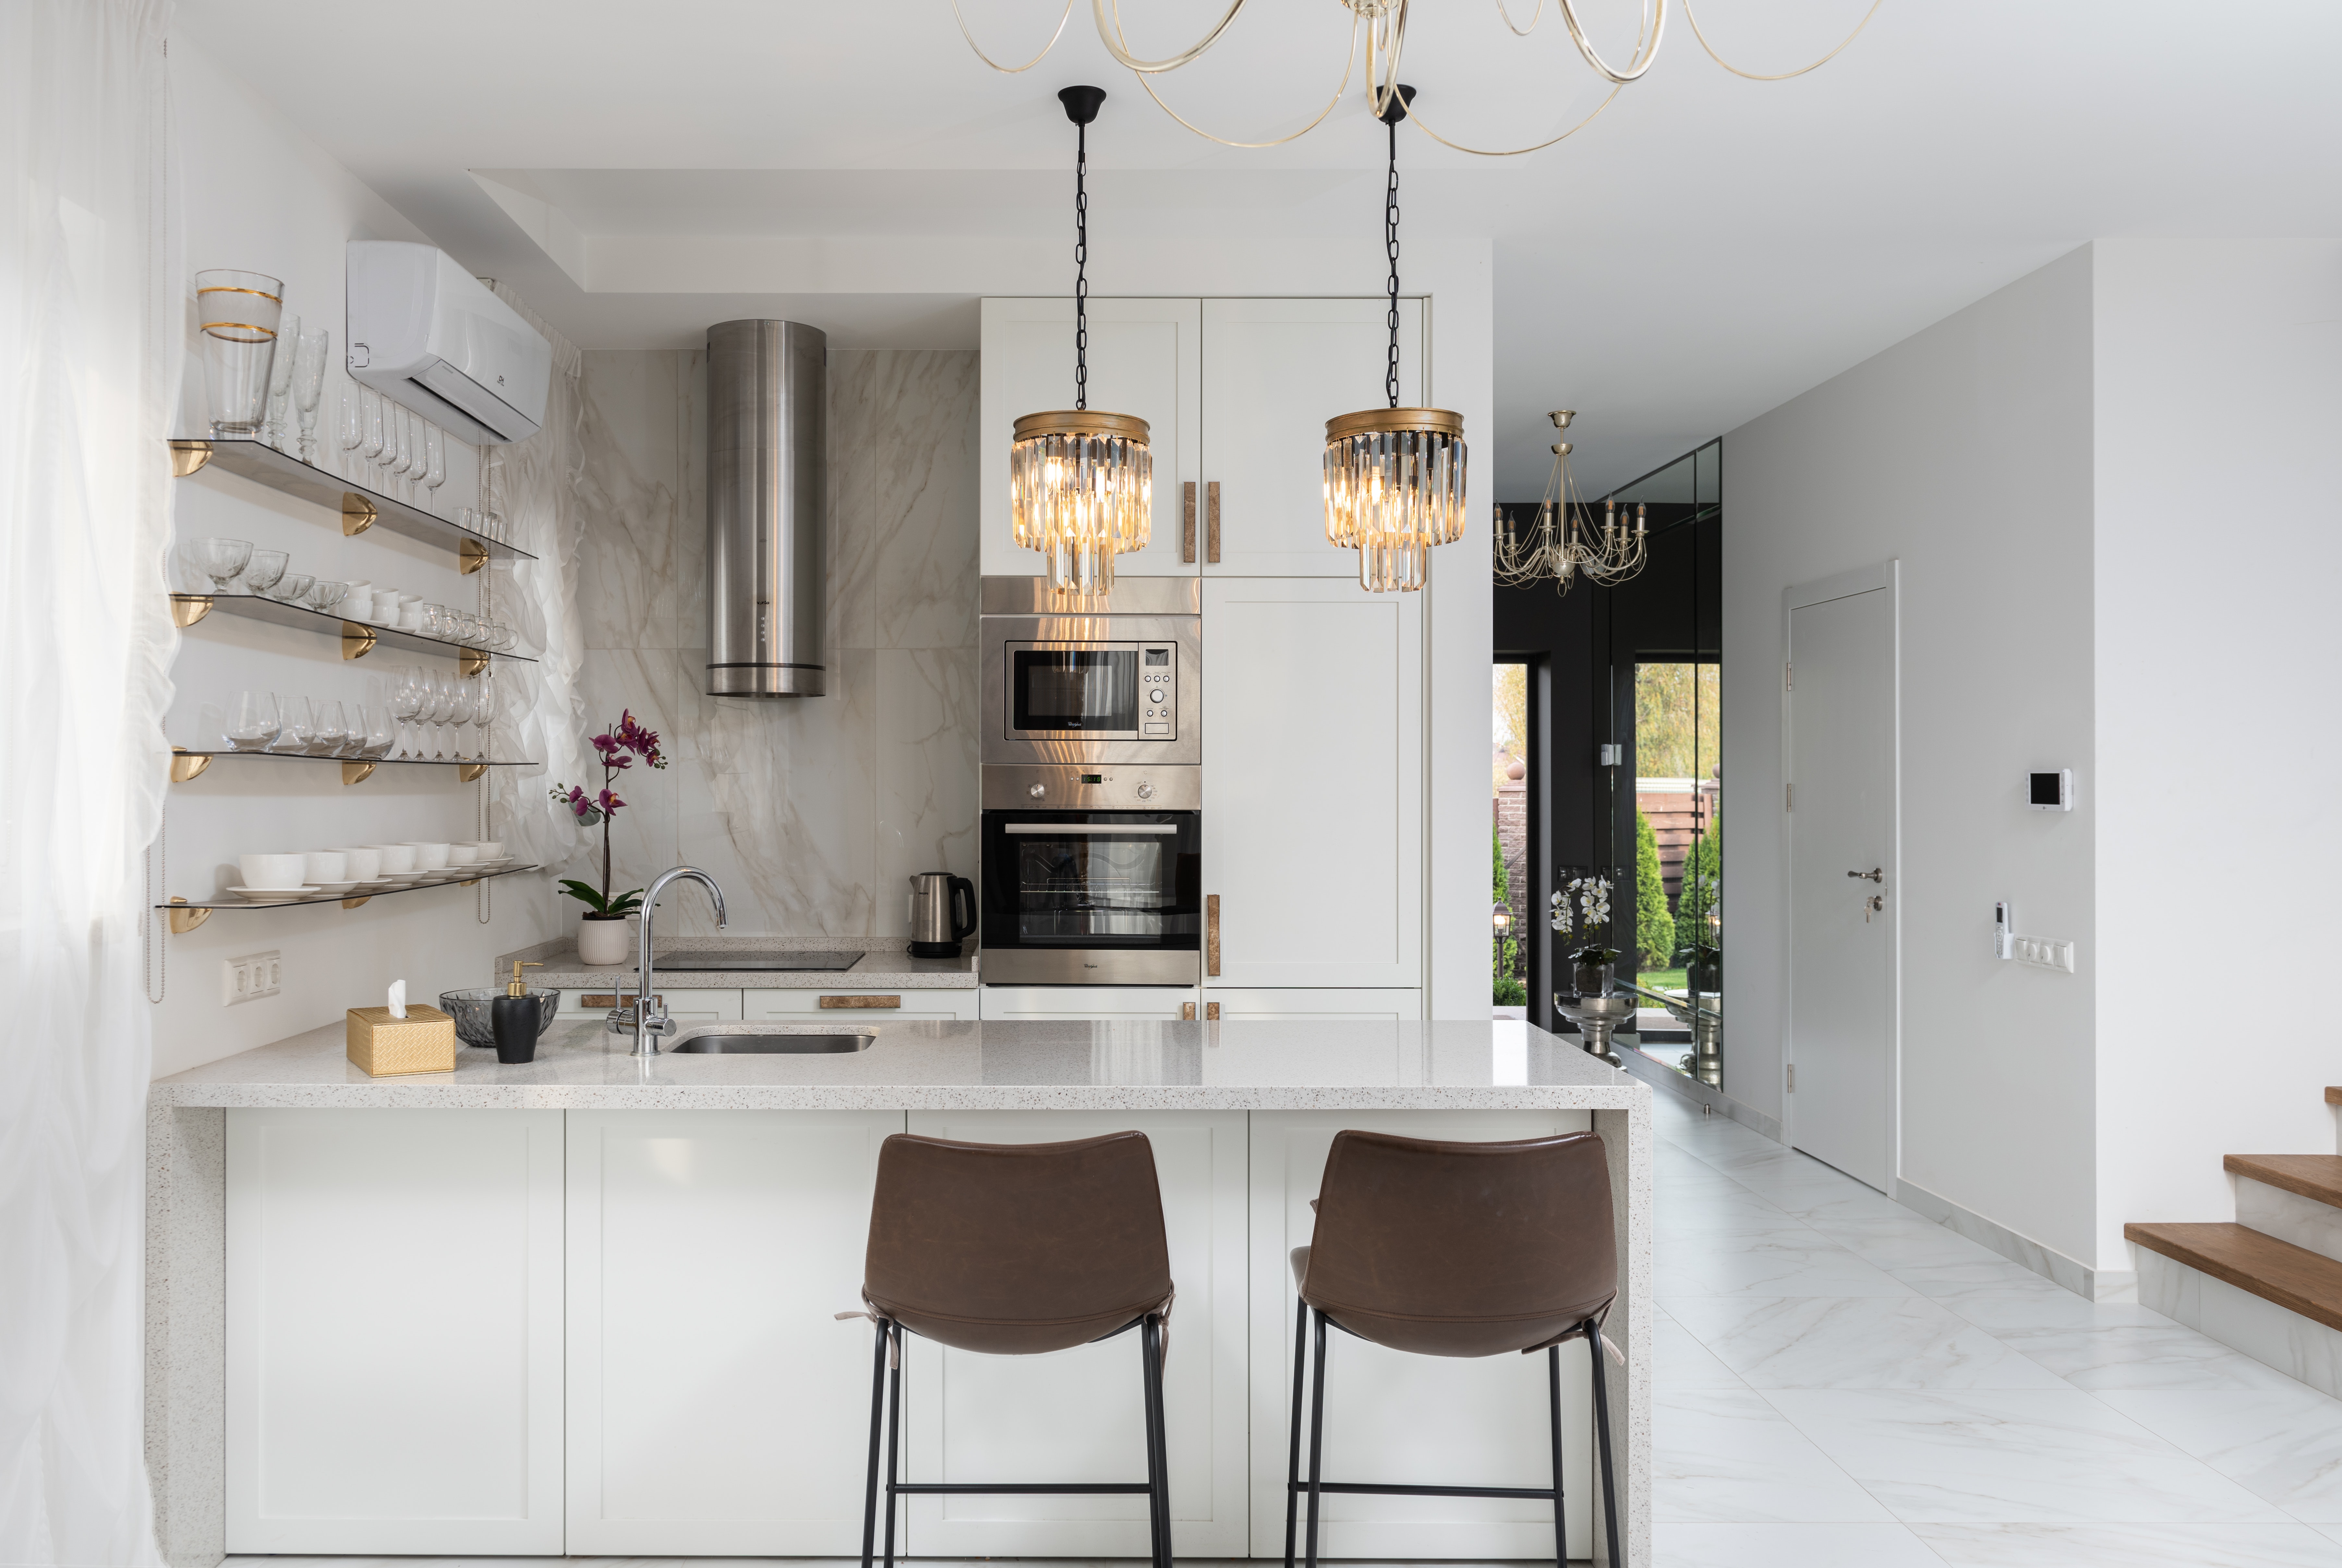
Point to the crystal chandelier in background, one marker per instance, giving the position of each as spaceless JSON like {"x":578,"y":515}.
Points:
{"x":1081,"y":482}
{"x":1563,"y":545}
{"x":1383,"y":23}
{"x":1394,"y":476}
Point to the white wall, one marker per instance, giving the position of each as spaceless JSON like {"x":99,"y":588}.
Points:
{"x":1963,"y":452}
{"x":2219,"y":376}
{"x":258,"y":194}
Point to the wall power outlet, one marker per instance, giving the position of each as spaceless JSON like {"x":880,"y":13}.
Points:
{"x":251,"y":977}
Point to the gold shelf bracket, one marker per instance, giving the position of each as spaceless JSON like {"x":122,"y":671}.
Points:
{"x":183,"y":921}
{"x":186,"y":609}
{"x":186,"y":764}
{"x":357,"y":514}
{"x":473,"y":555}
{"x":467,"y":772}
{"x":472,"y":660}
{"x":469,"y":881}
{"x":356,"y":772}
{"x":187,"y":456}
{"x":355,"y":902}
{"x":357,"y":640}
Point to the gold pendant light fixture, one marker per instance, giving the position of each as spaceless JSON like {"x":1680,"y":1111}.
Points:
{"x":1081,"y":481}
{"x":1563,"y":545}
{"x":1394,"y":476}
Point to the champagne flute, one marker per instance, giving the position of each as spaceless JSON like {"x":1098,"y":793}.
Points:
{"x":370,"y":417}
{"x":309,"y":383}
{"x":352,"y":430}
{"x":280,"y":381}
{"x":435,"y":461}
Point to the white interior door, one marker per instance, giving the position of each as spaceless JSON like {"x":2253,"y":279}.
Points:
{"x":1842,"y":917}
{"x":1275,"y":370}
{"x":1144,"y":361}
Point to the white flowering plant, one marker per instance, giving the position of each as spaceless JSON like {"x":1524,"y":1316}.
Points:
{"x":1583,"y":905}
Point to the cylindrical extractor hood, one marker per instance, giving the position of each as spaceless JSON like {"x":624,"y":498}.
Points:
{"x":767,"y":503}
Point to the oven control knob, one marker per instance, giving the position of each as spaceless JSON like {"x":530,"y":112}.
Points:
{"x":1037,"y":790}
{"x":1145,"y":791}
{"x":1154,"y":696}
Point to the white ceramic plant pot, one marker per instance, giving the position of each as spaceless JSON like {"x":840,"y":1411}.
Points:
{"x":604,"y":942}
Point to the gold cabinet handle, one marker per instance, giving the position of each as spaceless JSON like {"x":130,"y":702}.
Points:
{"x":1188,"y":521}
{"x":1187,"y":1010}
{"x":1212,"y":935}
{"x":622,"y":999}
{"x":1212,"y":521}
{"x":830,"y":1001}
{"x":1212,"y":1012}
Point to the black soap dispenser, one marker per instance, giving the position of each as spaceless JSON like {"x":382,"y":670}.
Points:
{"x":515,"y":1017}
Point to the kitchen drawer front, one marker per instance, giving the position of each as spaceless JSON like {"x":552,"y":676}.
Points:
{"x":683,"y":1006}
{"x":863,"y":1005}
{"x":1330,"y":1004}
{"x":1071,"y":1002}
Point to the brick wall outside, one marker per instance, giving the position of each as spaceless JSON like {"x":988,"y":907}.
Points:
{"x":1511,"y":807}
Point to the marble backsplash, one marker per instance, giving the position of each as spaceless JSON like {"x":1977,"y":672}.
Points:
{"x":812,"y":813}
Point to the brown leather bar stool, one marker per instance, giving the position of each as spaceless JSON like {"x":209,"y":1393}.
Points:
{"x":1017,"y":1249}
{"x":1461,"y":1250}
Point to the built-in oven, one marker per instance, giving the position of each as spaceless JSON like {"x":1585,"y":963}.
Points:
{"x":1094,"y":684}
{"x":1092,"y":877}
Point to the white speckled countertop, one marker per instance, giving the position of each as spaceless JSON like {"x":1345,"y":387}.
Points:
{"x":884,"y":965}
{"x":1119,"y":1066}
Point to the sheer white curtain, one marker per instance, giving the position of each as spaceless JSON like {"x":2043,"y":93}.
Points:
{"x":90,"y":325}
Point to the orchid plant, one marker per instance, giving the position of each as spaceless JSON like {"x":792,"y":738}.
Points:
{"x":617,"y":748}
{"x":1590,"y":895}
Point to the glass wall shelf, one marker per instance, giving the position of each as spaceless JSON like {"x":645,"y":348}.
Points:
{"x":187,"y":765}
{"x":453,"y":876}
{"x":360,"y":507}
{"x":358,"y":638}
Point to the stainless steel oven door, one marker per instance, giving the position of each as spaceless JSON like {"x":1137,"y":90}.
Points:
{"x":1092,"y":897}
{"x":1071,"y":689}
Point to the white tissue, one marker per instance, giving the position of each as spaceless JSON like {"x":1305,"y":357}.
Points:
{"x":398,"y":998}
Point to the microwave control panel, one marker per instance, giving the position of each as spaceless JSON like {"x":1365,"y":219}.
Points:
{"x":1158,"y":692}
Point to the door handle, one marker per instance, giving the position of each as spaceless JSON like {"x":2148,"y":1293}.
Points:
{"x":1212,"y":521}
{"x":1876,"y":873}
{"x":1187,"y":523}
{"x":1212,"y":935}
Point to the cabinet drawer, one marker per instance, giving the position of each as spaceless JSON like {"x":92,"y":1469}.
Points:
{"x":1320,"y":1005}
{"x":867,"y":1004}
{"x":684,"y":1006}
{"x":1164,"y":1002}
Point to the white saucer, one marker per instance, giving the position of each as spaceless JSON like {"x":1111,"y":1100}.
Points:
{"x":272,"y":894}
{"x":336,"y":886}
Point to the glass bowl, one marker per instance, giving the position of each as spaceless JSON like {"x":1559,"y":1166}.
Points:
{"x":474,"y":1026}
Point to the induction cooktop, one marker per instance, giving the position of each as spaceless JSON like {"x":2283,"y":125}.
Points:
{"x":764,"y":960}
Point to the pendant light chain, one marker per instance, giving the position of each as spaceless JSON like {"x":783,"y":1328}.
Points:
{"x":1390,"y":244}
{"x":1081,"y":266}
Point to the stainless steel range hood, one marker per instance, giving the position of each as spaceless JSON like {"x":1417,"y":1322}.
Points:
{"x":767,"y":503}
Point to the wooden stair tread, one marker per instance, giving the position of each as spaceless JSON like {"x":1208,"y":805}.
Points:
{"x":2315,"y":1176}
{"x":2295,"y":1278}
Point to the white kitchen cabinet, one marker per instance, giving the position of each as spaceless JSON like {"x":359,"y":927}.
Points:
{"x":1323,"y":1005}
{"x":1074,"y":1002}
{"x":866,"y":1005}
{"x":1075,"y":1415}
{"x":1144,"y":360}
{"x":1313,"y":790}
{"x":394,"y":1332}
{"x":1275,"y":370}
{"x":683,"y":1006}
{"x":715,"y":1406}
{"x":1414,"y":1420}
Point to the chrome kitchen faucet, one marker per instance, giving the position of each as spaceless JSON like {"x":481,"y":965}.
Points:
{"x":648,"y":1018}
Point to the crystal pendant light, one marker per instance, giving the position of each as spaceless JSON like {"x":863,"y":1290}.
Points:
{"x":1081,"y":481}
{"x":1563,"y":545}
{"x":1394,"y":476}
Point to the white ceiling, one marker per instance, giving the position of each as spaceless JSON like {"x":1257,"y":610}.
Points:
{"x":1707,"y":249}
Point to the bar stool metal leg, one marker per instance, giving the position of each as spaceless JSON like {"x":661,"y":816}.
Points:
{"x":1553,"y":1395}
{"x":1293,"y":1441}
{"x":1158,"y":1498}
{"x":1601,"y":1439}
{"x":894,"y":1431}
{"x":1316,"y":1428}
{"x":877,"y":1409}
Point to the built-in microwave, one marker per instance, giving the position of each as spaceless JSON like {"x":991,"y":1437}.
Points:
{"x":1096,"y":685}
{"x":1092,"y":877}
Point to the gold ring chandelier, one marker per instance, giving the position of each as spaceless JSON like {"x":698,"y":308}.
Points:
{"x":1383,"y":23}
{"x":1563,"y":545}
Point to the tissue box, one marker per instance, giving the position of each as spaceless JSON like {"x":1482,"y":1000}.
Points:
{"x":384,"y":1047}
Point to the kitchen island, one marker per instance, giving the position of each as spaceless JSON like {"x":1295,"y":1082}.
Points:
{"x":583,"y":1305}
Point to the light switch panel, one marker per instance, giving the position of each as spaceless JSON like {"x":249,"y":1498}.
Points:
{"x":2044,"y":952}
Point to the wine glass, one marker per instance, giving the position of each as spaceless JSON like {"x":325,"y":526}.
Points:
{"x":298,"y":724}
{"x":406,"y":704}
{"x":442,"y":708}
{"x":254,"y":724}
{"x":263,"y":571}
{"x":223,"y":558}
{"x":308,"y":385}
{"x":280,"y":380}
{"x":435,"y":460}
{"x":331,"y":732}
{"x":459,"y":713}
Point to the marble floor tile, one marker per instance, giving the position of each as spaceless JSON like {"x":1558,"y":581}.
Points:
{"x":1894,"y":1241}
{"x":2128,"y":1546}
{"x":2011,"y":1456}
{"x":1684,"y":1545}
{"x":2331,"y":1531}
{"x":1697,"y":1211}
{"x":2141,"y":1355}
{"x":1852,"y":1342}
{"x":2283,"y":1445}
{"x":1725,"y":1455}
{"x":1682,"y":1362}
{"x":1782,"y":1261}
{"x":1996,"y":1294}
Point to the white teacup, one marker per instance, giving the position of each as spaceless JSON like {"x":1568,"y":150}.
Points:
{"x":270,"y":871}
{"x":489,"y":848}
{"x":462,"y":853}
{"x":385,"y":607}
{"x":397,"y":859}
{"x":362,"y":865}
{"x":324,"y":865}
{"x":428,"y":856}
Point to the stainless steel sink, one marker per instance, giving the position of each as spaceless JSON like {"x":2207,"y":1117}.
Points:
{"x":724,"y":1043}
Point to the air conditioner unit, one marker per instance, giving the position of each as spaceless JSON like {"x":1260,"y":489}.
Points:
{"x":425,"y":333}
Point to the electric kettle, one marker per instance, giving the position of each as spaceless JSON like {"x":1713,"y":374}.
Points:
{"x":936,"y":926}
